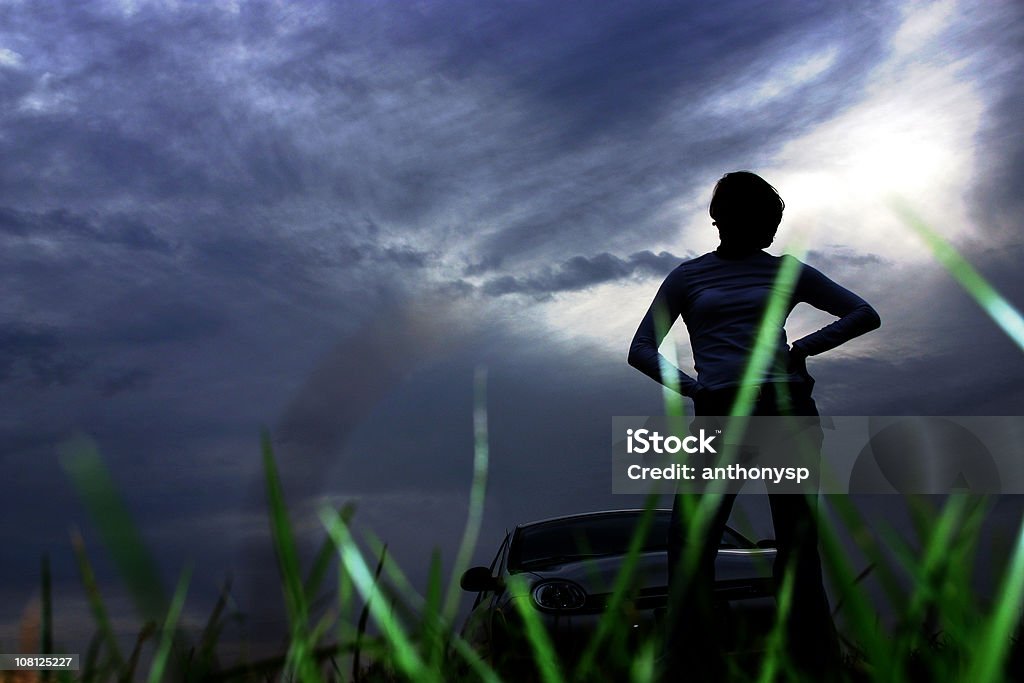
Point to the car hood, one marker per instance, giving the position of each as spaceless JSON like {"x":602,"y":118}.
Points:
{"x":597,"y":575}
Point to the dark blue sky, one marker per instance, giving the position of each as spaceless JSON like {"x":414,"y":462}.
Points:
{"x":319,"y":218}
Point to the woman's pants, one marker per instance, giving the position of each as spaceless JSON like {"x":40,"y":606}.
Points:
{"x":695,"y":649}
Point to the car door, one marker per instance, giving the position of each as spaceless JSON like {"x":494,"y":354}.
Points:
{"x":478,"y":628}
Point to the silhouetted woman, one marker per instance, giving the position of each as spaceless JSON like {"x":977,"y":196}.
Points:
{"x":721,"y":297}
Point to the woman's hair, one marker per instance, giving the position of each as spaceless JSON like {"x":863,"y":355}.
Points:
{"x":746,"y":209}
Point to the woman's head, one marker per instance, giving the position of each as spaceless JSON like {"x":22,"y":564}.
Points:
{"x":746,"y":209}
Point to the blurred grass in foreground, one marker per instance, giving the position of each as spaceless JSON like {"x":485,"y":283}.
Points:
{"x":943,"y":632}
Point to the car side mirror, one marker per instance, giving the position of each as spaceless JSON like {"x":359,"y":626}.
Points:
{"x":767,"y":543}
{"x":477,"y":580}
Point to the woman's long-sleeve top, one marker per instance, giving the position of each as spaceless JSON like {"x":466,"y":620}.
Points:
{"x":722,"y":302}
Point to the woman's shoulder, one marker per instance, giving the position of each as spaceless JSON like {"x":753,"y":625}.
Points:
{"x":790,"y":261}
{"x":692,"y":266}
{"x":702,"y":261}
{"x":711,"y":262}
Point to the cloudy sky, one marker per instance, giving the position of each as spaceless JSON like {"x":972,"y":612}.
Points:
{"x":320,"y":218}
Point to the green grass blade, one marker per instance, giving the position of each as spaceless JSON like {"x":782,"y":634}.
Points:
{"x":284,"y":541}
{"x":991,"y":301}
{"x":96,"y":604}
{"x":92,"y":481}
{"x":775,"y":657}
{"x":300,"y":651}
{"x":862,"y":621}
{"x":642,"y":668}
{"x":934,"y":558}
{"x":620,"y":590}
{"x":411,"y":598}
{"x":345,"y":591}
{"x":476,"y":664}
{"x":477,"y":494}
{"x":364,"y":616}
{"x":163,"y":650}
{"x":957,"y":610}
{"x":866,"y":540}
{"x":320,"y":628}
{"x":352,"y":561}
{"x":206,"y":658}
{"x":433,"y":630}
{"x":670,"y":396}
{"x":543,"y":650}
{"x":346,"y":601}
{"x":148,"y":629}
{"x":322,"y":559}
{"x":990,"y":651}
{"x":92,"y":654}
{"x":775,"y":311}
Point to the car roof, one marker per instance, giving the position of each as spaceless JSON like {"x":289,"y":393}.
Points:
{"x":596,"y":513}
{"x":608,"y":513}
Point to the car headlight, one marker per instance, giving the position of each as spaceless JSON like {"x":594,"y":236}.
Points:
{"x":558,"y":595}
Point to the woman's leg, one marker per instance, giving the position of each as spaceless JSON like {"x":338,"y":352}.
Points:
{"x":812,"y":641}
{"x":694,"y":646}
{"x":811,"y":634}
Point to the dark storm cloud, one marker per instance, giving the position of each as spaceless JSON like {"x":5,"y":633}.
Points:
{"x":581,"y":272}
{"x":145,"y":317}
{"x":194,"y":121}
{"x":117,"y":229}
{"x":999,"y":194}
{"x":157,"y":123}
{"x":267,"y":259}
{"x":14,"y":84}
{"x":125,"y":380}
{"x":641,"y":75}
{"x":406,"y":257}
{"x":49,"y":356}
{"x":843,"y":257}
{"x":39,"y":354}
{"x":615,"y":65}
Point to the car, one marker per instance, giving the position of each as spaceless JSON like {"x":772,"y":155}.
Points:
{"x":563,"y":570}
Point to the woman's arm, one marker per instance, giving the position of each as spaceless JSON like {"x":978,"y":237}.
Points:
{"x":643,"y":352}
{"x":855,"y":315}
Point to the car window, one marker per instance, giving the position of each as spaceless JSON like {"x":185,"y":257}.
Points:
{"x":496,"y":562}
{"x":594,"y":536}
{"x":584,"y":537}
{"x":730,"y":539}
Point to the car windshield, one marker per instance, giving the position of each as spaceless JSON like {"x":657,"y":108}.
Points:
{"x":563,"y":540}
